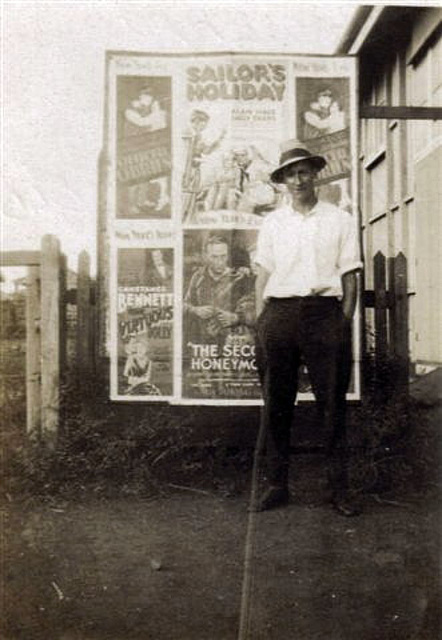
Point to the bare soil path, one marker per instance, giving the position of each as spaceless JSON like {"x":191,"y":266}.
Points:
{"x":170,"y":568}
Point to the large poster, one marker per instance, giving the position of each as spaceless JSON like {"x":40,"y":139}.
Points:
{"x":219,"y":314}
{"x":191,"y":141}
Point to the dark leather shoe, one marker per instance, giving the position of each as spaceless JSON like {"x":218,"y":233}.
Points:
{"x":273,"y":497}
{"x":346,"y":507}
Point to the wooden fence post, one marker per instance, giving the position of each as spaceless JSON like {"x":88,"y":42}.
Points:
{"x":50,"y":339}
{"x":84,"y":318}
{"x":33,"y":354}
{"x":63,"y":316}
{"x":400,"y":335}
{"x":380,"y":311}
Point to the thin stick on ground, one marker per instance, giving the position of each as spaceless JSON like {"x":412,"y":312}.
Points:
{"x":247,"y":583}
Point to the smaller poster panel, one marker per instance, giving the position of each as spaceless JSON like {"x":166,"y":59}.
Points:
{"x":219,"y":314}
{"x":145,"y":322}
{"x":323,"y":123}
{"x":143,"y":147}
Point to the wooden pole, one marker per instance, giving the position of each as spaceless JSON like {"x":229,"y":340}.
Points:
{"x":401,"y":346}
{"x":380,"y":312}
{"x":84,"y":318}
{"x":50,"y":339}
{"x":63,"y":316}
{"x":33,"y":354}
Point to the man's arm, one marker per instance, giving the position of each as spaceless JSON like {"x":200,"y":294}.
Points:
{"x":260,"y":284}
{"x":191,"y":306}
{"x":350,"y":289}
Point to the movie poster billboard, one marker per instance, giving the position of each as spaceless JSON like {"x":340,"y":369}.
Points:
{"x":145,"y":308}
{"x":190,"y":146}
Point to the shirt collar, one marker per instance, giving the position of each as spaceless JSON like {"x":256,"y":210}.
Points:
{"x":309,"y":214}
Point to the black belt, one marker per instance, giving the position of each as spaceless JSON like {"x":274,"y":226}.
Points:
{"x":306,"y":298}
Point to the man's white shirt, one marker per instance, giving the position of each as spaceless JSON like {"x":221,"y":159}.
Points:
{"x":307,"y":254}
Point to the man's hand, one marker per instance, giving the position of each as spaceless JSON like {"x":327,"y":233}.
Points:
{"x":261,"y":280}
{"x":227,"y":319}
{"x":204,"y":313}
{"x":347,"y":311}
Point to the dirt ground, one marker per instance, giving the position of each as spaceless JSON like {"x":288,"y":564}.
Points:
{"x":172,"y":568}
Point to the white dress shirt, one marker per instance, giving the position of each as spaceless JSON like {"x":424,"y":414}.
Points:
{"x":306,"y":254}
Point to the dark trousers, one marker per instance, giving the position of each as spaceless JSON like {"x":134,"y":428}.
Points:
{"x":312,"y":330}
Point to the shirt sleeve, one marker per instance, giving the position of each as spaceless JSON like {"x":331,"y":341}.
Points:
{"x":349,"y":258}
{"x":264,"y":249}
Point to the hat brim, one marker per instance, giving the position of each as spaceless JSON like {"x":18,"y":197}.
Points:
{"x":277,"y":175}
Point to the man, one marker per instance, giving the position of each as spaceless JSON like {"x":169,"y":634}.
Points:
{"x":306,"y":291}
{"x":253,"y":192}
{"x":213,"y":293}
{"x":197,"y":150}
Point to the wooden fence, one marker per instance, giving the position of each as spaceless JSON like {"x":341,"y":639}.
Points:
{"x":389,"y":299}
{"x":46,"y":328}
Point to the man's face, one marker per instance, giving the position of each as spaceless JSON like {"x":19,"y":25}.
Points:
{"x":242,"y":159}
{"x":217,"y":256}
{"x":199,"y":124}
{"x":299,"y":180}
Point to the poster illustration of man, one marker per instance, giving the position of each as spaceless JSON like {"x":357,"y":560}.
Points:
{"x":197,"y":149}
{"x":239,"y":182}
{"x":145,"y":321}
{"x":143,"y":147}
{"x":219,"y":314}
{"x":225,"y":173}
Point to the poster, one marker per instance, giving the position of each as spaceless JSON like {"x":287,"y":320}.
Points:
{"x":143,"y":147}
{"x":219,"y":314}
{"x":191,"y":142}
{"x":235,"y":115}
{"x":323,"y":109}
{"x":145,"y":322}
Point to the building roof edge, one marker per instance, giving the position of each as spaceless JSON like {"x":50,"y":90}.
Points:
{"x":353,"y":29}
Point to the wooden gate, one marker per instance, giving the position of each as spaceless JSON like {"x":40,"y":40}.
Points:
{"x":46,"y":361}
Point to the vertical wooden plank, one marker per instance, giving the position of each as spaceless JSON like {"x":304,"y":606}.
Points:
{"x":103,"y":258}
{"x":33,"y":354}
{"x":390,"y":159}
{"x":50,"y":339}
{"x":93,"y":326}
{"x":392,"y":316}
{"x":63,"y":317}
{"x":401,"y":346}
{"x":380,"y":313}
{"x":84,"y":319}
